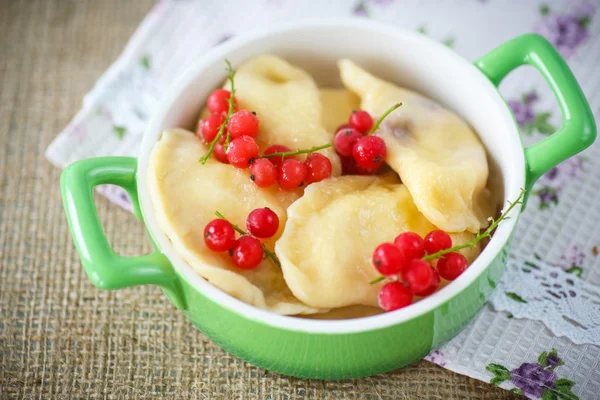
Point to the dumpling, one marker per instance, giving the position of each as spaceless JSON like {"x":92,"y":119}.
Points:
{"x":331,"y":232}
{"x":436,"y":153}
{"x":287,"y":103}
{"x":186,"y":195}
{"x":337,"y":105}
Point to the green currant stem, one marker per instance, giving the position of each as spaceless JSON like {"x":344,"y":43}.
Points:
{"x":214,"y":142}
{"x":295,"y":152}
{"x":487,"y":233}
{"x":268,"y":253}
{"x":383,"y":116}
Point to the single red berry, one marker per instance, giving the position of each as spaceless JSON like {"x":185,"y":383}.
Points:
{"x":243,"y":123}
{"x":278,"y":148}
{"x":350,"y":167}
{"x":419,"y":276}
{"x":435,"y":284}
{"x":361,"y":121}
{"x":342,"y":126}
{"x":292,"y":174}
{"x":210,"y":127}
{"x":451,"y":265}
{"x":219,"y":152}
{"x":263,"y":173}
{"x":219,"y":235}
{"x":262,"y":222}
{"x":411,"y":244}
{"x":437,"y":241}
{"x":394,"y":295}
{"x":388,"y":259}
{"x":218,"y":101}
{"x":345,"y":140}
{"x":318,"y":167}
{"x":242,"y":152}
{"x":369,"y":152}
{"x":247,"y":252}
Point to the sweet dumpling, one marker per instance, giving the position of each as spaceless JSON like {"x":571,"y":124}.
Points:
{"x":436,"y":153}
{"x":186,"y":195}
{"x":326,"y":247}
{"x":287,"y":101}
{"x":337,"y":105}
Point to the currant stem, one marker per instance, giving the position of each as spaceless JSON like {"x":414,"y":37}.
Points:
{"x":487,"y":233}
{"x":383,"y":116}
{"x":295,"y":152}
{"x":214,"y":142}
{"x":268,"y":253}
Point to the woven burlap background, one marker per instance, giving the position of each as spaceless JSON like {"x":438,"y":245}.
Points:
{"x":59,"y":336}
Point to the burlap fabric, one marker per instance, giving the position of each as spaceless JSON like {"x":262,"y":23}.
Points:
{"x":59,"y":336}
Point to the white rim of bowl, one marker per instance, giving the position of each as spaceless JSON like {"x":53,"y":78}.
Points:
{"x":513,"y":185}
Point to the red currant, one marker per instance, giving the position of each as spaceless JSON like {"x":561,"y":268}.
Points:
{"x":388,"y":259}
{"x":345,"y":140}
{"x":277,"y":148}
{"x":219,"y":235}
{"x":210,"y":127}
{"x":292,"y":174}
{"x":419,"y":276}
{"x":437,"y":241}
{"x":361,"y":121}
{"x":243,"y":123}
{"x":218,"y":101}
{"x":343,"y":126}
{"x":262,"y":222}
{"x":242,"y":152}
{"x":219,"y":152}
{"x":369,"y":152}
{"x":263,"y":172}
{"x":435,"y":284}
{"x":247,"y":252}
{"x":394,"y":295}
{"x":349,"y":167}
{"x":318,"y":167}
{"x":411,"y":244}
{"x":451,"y":265}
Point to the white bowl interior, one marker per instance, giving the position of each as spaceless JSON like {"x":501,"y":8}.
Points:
{"x":406,"y":58}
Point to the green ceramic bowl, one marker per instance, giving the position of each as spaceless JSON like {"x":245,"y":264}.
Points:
{"x":356,"y":347}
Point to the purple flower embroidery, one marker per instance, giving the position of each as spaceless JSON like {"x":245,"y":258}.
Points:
{"x":532,"y":379}
{"x":563,"y":174}
{"x":360,"y":10}
{"x":567,"y":31}
{"x":437,"y":357}
{"x":553,"y":360}
{"x":523,"y":112}
{"x":571,"y":257}
{"x":555,"y":180}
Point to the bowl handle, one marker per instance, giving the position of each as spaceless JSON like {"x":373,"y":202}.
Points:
{"x":578,"y":130}
{"x":105,"y":268}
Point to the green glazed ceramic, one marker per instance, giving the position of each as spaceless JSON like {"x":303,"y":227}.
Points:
{"x":355,"y":347}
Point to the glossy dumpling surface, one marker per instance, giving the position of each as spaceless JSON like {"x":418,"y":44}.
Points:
{"x":186,"y":194}
{"x":436,"y":153}
{"x":328,"y":241}
{"x":287,"y":102}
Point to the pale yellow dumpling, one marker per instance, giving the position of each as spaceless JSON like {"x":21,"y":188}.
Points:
{"x":288,"y":105}
{"x":186,"y":194}
{"x":436,"y":153}
{"x":331,"y":232}
{"x":337,"y":105}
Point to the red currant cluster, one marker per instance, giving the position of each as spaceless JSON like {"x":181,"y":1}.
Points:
{"x":277,"y":164}
{"x":247,"y":251}
{"x":361,"y":153}
{"x":405,"y":261}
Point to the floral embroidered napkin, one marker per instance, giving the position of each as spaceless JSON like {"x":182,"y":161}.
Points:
{"x":540,"y":335}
